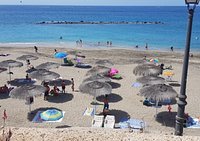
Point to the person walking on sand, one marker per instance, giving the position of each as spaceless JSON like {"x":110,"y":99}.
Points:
{"x":72,"y":80}
{"x":36,"y":49}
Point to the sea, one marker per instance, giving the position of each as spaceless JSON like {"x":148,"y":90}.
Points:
{"x":18,"y":24}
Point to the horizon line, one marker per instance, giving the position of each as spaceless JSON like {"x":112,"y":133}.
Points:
{"x":92,"y":5}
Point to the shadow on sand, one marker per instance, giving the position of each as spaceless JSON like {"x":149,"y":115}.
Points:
{"x":63,"y":126}
{"x":119,"y":115}
{"x":114,"y":85}
{"x":175,"y":84}
{"x":112,"y":98}
{"x":167,"y":119}
{"x":4,"y":96}
{"x":61,"y":98}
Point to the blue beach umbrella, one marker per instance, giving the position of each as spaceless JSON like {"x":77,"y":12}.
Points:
{"x":51,"y":115}
{"x":60,"y":55}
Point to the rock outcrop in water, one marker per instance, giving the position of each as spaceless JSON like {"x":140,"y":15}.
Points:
{"x":100,"y":22}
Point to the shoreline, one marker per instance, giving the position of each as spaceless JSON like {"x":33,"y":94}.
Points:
{"x":72,"y":45}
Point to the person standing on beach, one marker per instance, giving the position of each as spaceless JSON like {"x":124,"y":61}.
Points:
{"x":36,"y":49}
{"x":172,"y":48}
{"x":72,"y":80}
{"x":81,"y":43}
{"x":46,"y":93}
{"x":63,"y":86}
{"x":55,"y":51}
{"x":106,"y":105}
{"x":146,"y":46}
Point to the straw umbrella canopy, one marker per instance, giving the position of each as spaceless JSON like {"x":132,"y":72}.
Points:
{"x":48,"y":65}
{"x":147,"y":69}
{"x":97,"y":77}
{"x":42,"y":74}
{"x":158,"y":93}
{"x":141,"y":62}
{"x":150,"y":80}
{"x":10,"y":64}
{"x":58,"y":82}
{"x":2,"y":70}
{"x":95,"y":88}
{"x":104,"y":62}
{"x":27,"y":57}
{"x":98,"y":70}
{"x":25,"y":91}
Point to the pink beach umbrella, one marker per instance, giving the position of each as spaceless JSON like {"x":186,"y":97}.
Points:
{"x":113,"y":71}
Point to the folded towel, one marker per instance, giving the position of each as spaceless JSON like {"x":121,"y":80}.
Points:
{"x":88,"y":112}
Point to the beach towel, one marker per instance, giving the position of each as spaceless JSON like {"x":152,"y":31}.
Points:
{"x":88,"y":111}
{"x":37,"y":118}
{"x":193,"y":123}
{"x":132,"y":123}
{"x":136,"y":85}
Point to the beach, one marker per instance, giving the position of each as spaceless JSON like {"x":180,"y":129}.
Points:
{"x":129,"y":104}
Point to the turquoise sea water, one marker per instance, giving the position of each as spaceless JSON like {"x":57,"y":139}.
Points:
{"x":18,"y":25}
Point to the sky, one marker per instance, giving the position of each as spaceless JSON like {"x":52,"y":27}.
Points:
{"x":96,"y":2}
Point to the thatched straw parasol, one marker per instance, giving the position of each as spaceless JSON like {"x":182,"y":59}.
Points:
{"x":27,"y":57}
{"x":48,"y":65}
{"x":42,"y":74}
{"x":150,"y":80}
{"x":98,"y":70}
{"x":147,"y":69}
{"x":97,"y":77}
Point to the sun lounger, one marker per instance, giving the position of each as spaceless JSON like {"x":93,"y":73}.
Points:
{"x":133,"y":124}
{"x":116,"y":76}
{"x":97,"y":121}
{"x":82,"y":65}
{"x":109,"y":121}
{"x":67,"y":62}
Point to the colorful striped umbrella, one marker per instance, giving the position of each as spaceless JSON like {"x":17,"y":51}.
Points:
{"x":51,"y":115}
{"x":60,"y":55}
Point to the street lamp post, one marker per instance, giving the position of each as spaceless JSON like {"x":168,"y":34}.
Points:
{"x":191,"y":4}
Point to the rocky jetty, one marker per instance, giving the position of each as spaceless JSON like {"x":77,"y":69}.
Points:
{"x":99,"y":22}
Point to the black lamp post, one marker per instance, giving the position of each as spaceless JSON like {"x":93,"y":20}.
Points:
{"x":191,"y":4}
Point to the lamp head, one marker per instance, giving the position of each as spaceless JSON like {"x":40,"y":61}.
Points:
{"x":192,"y":2}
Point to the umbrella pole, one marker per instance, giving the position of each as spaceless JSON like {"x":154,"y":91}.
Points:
{"x":156,"y":109}
{"x":9,"y":73}
{"x":95,"y":105}
{"x":29,"y":108}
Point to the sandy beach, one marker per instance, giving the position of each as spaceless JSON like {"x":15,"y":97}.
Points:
{"x":77,"y":126}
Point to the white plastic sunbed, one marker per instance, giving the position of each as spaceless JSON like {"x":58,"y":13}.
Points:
{"x":109,"y":121}
{"x":97,"y":121}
